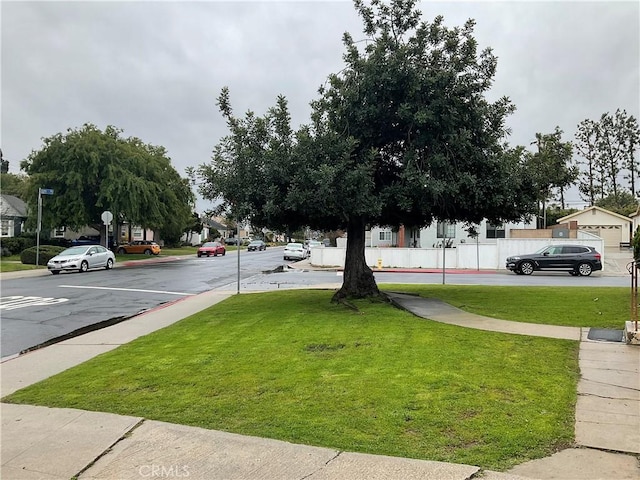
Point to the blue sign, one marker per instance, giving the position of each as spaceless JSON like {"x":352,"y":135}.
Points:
{"x":46,"y":191}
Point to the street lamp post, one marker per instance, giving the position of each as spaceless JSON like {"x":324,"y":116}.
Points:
{"x":41,"y":191}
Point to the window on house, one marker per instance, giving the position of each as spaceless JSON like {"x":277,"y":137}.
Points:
{"x":137,"y":233}
{"x":495,"y":231}
{"x":4,"y":228}
{"x":445,"y":228}
{"x":59,"y":232}
{"x":385,"y":236}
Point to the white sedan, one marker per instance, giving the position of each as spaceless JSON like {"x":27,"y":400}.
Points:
{"x":82,"y":258}
{"x":295,"y":251}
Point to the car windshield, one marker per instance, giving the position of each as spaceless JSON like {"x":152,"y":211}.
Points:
{"x":294,"y":246}
{"x":314,"y":244}
{"x":256,"y":242}
{"x":542,"y":250}
{"x":209,"y":244}
{"x":74,"y":251}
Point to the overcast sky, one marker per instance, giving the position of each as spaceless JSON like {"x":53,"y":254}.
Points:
{"x":155,"y":69}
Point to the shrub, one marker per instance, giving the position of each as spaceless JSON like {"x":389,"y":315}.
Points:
{"x":635,"y":243}
{"x":15,"y":245}
{"x":47,"y":252}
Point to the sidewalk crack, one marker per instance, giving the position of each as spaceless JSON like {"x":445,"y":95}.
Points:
{"x":338,"y":453}
{"x":126,"y":434}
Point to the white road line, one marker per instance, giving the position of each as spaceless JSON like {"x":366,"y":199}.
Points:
{"x":127,"y":290}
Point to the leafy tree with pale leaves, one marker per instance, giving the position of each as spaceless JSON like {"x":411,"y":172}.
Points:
{"x":92,"y":171}
{"x":403,"y":135}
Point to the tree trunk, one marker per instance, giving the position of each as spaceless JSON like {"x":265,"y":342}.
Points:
{"x":358,"y":280}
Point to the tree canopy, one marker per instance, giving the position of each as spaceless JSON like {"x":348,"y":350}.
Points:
{"x":403,"y":135}
{"x":92,"y":171}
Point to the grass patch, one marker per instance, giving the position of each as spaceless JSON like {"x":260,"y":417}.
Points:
{"x":13,"y":263}
{"x":601,"y":307}
{"x":289,"y":365}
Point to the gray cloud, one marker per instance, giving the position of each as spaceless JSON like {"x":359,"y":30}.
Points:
{"x":155,"y":69}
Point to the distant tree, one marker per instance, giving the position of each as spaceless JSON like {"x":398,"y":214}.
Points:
{"x":13,"y":184}
{"x":554,"y":213}
{"x":402,"y":135}
{"x":4,"y":164}
{"x":629,"y":137}
{"x":195,"y":226}
{"x":608,"y":148}
{"x":551,"y":167}
{"x":592,"y":178}
{"x":92,"y":171}
{"x":623,"y":203}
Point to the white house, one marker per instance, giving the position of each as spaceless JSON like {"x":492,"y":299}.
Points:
{"x":433,"y":235}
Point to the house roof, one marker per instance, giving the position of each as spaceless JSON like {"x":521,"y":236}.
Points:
{"x":17,"y":205}
{"x":599,"y":209}
{"x":213,"y":224}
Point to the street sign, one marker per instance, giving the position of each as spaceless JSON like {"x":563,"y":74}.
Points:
{"x":46,"y":191}
{"x":107,"y":216}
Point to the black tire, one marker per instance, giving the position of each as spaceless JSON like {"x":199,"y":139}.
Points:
{"x":199,"y":254}
{"x":526,"y":267}
{"x":109,"y":264}
{"x":584,"y":269}
{"x":224,"y":253}
{"x":55,"y":272}
{"x":121,"y":251}
{"x":215,"y":254}
{"x":84,"y":266}
{"x":148,"y":252}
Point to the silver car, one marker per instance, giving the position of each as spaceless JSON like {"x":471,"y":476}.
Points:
{"x":82,"y":258}
{"x":295,"y":251}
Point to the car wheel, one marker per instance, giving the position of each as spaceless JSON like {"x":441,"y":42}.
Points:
{"x":224,"y":253}
{"x":55,"y":272}
{"x":585,"y":269}
{"x":121,"y":251}
{"x":109,"y":265}
{"x":84,"y":266}
{"x":215,"y":254}
{"x":199,"y":254}
{"x":526,"y":268}
{"x":147,"y":252}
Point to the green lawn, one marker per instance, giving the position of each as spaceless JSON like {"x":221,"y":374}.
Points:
{"x":602,"y":307}
{"x":289,"y":365}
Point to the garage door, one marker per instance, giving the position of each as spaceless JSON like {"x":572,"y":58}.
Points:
{"x":611,"y":234}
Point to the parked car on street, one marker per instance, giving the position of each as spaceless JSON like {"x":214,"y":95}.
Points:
{"x":82,"y":258}
{"x":256,"y":245}
{"x":295,"y":251}
{"x":231,"y":241}
{"x":146,"y":247}
{"x":212,"y":248}
{"x":576,"y":259}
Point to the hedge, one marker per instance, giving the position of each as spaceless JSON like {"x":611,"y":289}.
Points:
{"x":47,"y":252}
{"x":15,"y":245}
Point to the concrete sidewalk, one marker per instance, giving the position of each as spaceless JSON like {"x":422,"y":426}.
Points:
{"x":53,"y":443}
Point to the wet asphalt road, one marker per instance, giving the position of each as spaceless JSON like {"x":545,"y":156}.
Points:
{"x":38,"y":309}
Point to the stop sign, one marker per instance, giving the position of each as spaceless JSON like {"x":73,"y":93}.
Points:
{"x":107,"y":216}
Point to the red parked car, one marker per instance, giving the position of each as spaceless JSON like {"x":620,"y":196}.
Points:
{"x":211,"y":248}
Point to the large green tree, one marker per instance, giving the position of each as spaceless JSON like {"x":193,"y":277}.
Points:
{"x":92,"y":171}
{"x":402,"y":135}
